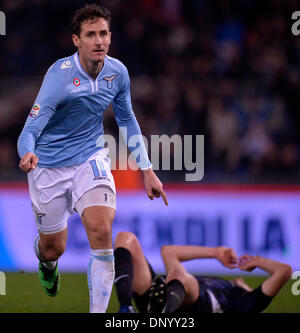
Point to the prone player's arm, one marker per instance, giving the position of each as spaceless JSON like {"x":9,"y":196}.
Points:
{"x":280,"y":272}
{"x":44,"y":107}
{"x":173,"y":255}
{"x":132,"y":135}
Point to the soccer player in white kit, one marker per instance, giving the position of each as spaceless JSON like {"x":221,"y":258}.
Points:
{"x":68,"y":171}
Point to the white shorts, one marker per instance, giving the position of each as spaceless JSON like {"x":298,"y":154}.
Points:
{"x":56,"y":193}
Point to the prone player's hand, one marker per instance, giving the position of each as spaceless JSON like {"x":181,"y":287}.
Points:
{"x":227,"y":256}
{"x":247,"y":262}
{"x":154,"y":186}
{"x":28,"y":162}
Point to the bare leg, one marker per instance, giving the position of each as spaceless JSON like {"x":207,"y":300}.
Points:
{"x":51,"y":247}
{"x":176,"y":271}
{"x":142,"y":275}
{"x":97,"y":221}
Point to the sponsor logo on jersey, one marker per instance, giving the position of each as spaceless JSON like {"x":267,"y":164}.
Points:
{"x":101,"y":178}
{"x":76,"y":82}
{"x":77,"y":90}
{"x":35,"y":111}
{"x":66,"y":64}
{"x":109,"y":80}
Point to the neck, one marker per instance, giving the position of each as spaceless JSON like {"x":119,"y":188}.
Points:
{"x":92,"y":68}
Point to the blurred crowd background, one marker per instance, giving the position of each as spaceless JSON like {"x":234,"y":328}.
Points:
{"x":228,"y":70}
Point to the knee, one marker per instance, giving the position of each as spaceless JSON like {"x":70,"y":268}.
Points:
{"x":53,"y":251}
{"x":101,"y":230}
{"x":98,"y":224}
{"x":100,"y":234}
{"x":177,"y":274}
{"x":126,"y":239}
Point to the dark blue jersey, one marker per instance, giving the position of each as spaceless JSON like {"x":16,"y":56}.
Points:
{"x":219,"y":295}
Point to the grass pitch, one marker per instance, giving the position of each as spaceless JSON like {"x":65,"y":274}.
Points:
{"x":25,"y":295}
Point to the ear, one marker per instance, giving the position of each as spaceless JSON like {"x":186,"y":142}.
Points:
{"x":109,"y":38}
{"x":76,"y":40}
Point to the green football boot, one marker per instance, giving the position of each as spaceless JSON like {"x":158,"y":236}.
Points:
{"x":50,"y":280}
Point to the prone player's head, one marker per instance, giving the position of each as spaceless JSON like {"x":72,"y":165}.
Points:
{"x":91,"y":32}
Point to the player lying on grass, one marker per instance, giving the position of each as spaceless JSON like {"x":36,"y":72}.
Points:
{"x":181,"y":291}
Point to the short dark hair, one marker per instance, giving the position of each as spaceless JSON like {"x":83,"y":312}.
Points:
{"x":89,"y":12}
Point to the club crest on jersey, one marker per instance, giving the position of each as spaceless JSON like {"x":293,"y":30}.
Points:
{"x":76,"y":82}
{"x":109,"y":80}
{"x":35,"y":111}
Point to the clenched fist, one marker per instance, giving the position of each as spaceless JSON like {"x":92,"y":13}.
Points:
{"x":28,"y":162}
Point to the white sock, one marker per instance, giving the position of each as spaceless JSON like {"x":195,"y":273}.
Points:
{"x":101,"y":274}
{"x":48,"y":264}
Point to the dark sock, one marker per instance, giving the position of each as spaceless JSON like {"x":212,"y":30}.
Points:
{"x":175,"y":296}
{"x":123,"y":275}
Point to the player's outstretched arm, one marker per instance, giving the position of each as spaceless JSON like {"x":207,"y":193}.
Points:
{"x":174,"y":254}
{"x":280,"y":272}
{"x":28,"y":162}
{"x":154,"y":186}
{"x":130,"y":130}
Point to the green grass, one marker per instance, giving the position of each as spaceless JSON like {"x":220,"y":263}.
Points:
{"x":24,"y":295}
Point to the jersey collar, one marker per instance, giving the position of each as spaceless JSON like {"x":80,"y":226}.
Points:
{"x":94,"y":83}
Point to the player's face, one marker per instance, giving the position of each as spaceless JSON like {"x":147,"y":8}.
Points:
{"x":94,"y":40}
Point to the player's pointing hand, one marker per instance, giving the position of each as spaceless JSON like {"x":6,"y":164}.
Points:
{"x":28,"y":162}
{"x":154,"y":186}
